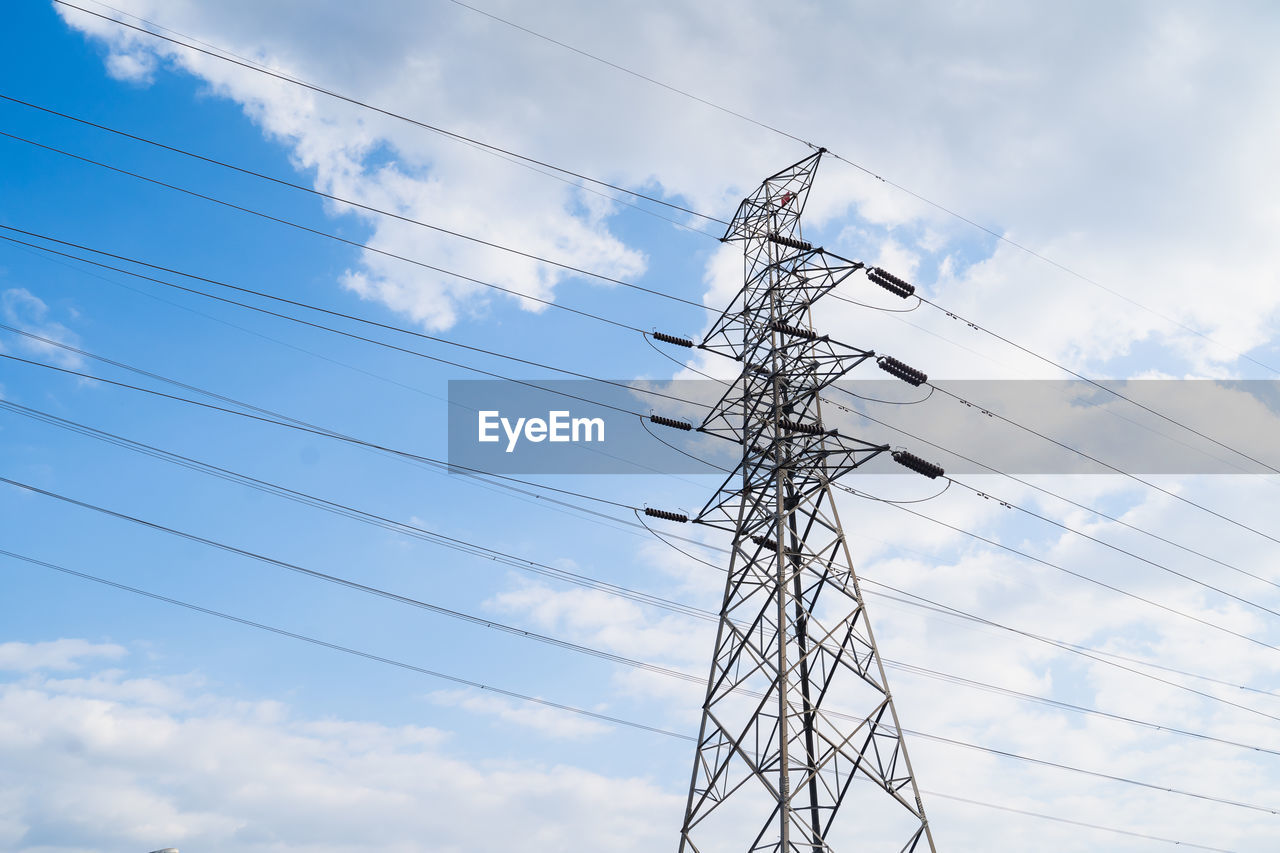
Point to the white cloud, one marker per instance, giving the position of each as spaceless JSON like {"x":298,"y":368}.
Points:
{"x":990,"y":112}
{"x":1145,"y":163}
{"x":28,"y":312}
{"x":55,"y":654}
{"x":548,"y":721}
{"x":99,"y":770}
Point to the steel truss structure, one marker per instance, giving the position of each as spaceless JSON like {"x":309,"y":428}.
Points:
{"x":775,"y":760}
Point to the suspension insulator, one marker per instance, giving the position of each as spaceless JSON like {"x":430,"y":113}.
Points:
{"x":671,"y":422}
{"x":666,"y":516}
{"x":794,"y":331}
{"x":904,"y":372}
{"x":768,"y":544}
{"x":808,"y":429}
{"x":790,"y":242}
{"x":672,"y":339}
{"x":915,"y":463}
{"x":891,"y":282}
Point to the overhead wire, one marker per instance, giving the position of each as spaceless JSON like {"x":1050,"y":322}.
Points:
{"x":345,"y":510}
{"x":259,"y":413}
{"x":1096,"y":655}
{"x":1116,"y":469}
{"x":591,"y":650}
{"x":392,"y":114}
{"x":524,"y":697}
{"x":315,"y":431}
{"x":1081,"y":576}
{"x":356,"y":586}
{"x":352,"y":317}
{"x":986,"y":495}
{"x":78,"y":373}
{"x":543,"y":569}
{"x":1002,"y":237}
{"x":508,"y":693}
{"x":279,"y":220}
{"x":1045,"y":491}
{"x":1168,"y":492}
{"x":329,"y":196}
{"x":1096,"y":384}
{"x":68,"y":4}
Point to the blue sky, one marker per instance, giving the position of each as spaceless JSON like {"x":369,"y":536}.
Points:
{"x":286,"y":737}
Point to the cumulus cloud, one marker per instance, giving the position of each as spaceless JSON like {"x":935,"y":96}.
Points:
{"x":1145,"y":165}
{"x":95,"y":770}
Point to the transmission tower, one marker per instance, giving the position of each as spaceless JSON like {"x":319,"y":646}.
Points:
{"x":798,"y":721}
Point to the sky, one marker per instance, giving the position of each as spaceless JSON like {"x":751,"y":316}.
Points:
{"x":1094,"y":182}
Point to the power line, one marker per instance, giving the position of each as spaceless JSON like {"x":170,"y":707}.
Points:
{"x":1068,"y":706}
{"x":346,"y":334}
{"x":1004,"y":238}
{"x":1109,"y":466}
{"x":984,"y":330}
{"x":1080,"y":823}
{"x":579,"y":648}
{"x":439,"y":610}
{"x":1116,"y":548}
{"x":525,"y":361}
{"x":317,"y":232}
{"x":347,"y":650}
{"x":316,"y":431}
{"x":1107,"y":658}
{"x":391,"y":114}
{"x":512,"y":694}
{"x":922,"y":602}
{"x":525,"y":564}
{"x":1092,"y":510}
{"x":279,"y":419}
{"x":435,"y":537}
{"x":603,"y":319}
{"x":329,"y":196}
{"x":1103,"y":584}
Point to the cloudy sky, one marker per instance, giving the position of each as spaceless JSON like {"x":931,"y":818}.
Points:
{"x":1124,"y":154}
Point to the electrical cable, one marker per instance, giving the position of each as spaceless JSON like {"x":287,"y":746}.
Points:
{"x":1110,"y":467}
{"x":869,"y":172}
{"x":373,"y":341}
{"x":589,"y":650}
{"x":329,"y":196}
{"x":315,"y":431}
{"x":1010,"y":505}
{"x":1004,"y":238}
{"x":1103,"y":584}
{"x":1098,"y":385}
{"x":1092,"y":510}
{"x":390,"y":114}
{"x":511,"y":694}
{"x":317,"y":232}
{"x":459,"y":615}
{"x":280,"y":419}
{"x":347,"y":511}
{"x":920,"y":602}
{"x":347,"y":650}
{"x":525,"y":564}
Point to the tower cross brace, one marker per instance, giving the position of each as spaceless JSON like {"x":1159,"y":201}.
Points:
{"x":777,"y":757}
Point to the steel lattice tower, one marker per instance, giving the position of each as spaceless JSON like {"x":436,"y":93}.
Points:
{"x":798,"y":717}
